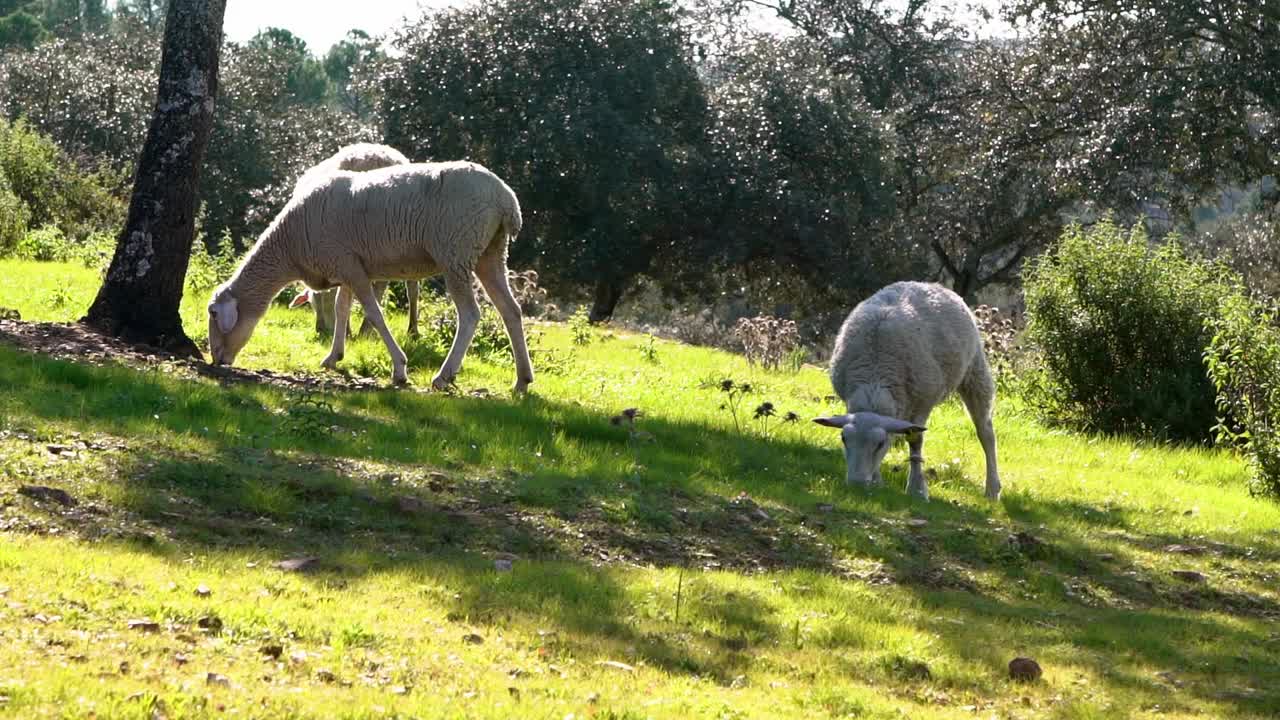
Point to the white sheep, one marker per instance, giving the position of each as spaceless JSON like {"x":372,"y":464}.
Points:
{"x":401,"y":222}
{"x":358,"y":157}
{"x":900,"y":353}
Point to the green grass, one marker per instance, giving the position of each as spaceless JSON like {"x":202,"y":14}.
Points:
{"x":646,"y":549}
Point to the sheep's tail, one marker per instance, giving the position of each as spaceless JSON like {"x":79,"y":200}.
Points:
{"x":511,"y":219}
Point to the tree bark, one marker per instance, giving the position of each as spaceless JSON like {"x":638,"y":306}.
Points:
{"x":607,"y":295}
{"x":138,"y":302}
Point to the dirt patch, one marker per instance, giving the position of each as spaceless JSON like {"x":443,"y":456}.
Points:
{"x":80,"y":343}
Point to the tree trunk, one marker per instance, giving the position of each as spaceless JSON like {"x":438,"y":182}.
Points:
{"x":138,"y":301}
{"x":607,"y":295}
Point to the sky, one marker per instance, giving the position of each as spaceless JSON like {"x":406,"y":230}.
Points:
{"x":321,"y":23}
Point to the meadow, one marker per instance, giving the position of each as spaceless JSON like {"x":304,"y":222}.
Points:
{"x":232,"y":548}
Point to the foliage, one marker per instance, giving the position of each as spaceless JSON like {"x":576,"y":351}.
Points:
{"x":649,"y":350}
{"x":531,"y":296}
{"x":305,"y":81}
{"x":93,"y":96}
{"x":264,"y":137}
{"x":1246,"y":236}
{"x":346,"y":64}
{"x":767,"y":341}
{"x":592,"y":111}
{"x":52,"y":189}
{"x":44,"y":244}
{"x":309,"y":414}
{"x":800,"y":177}
{"x":440,"y":321}
{"x":14,"y":217}
{"x":580,"y":327}
{"x":211,"y":264}
{"x":20,"y":29}
{"x":1000,"y":341}
{"x":1120,"y":326}
{"x":1243,"y":359}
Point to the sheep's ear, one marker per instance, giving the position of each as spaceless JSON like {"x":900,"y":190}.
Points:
{"x":226,"y":314}
{"x":835,"y":421}
{"x":301,"y":299}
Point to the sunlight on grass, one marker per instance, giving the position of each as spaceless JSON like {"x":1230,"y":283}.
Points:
{"x":480,"y":555}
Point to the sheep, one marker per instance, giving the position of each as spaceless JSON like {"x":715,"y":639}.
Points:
{"x":359,"y":157}
{"x":405,"y":221}
{"x":899,"y":353}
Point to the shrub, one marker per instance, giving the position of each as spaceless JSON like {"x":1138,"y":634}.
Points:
{"x":1243,"y":360}
{"x":14,"y":216}
{"x":47,"y":244}
{"x":767,"y":341}
{"x":53,"y":189}
{"x":1120,"y":328}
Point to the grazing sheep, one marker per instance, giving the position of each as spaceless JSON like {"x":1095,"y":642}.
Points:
{"x":900,"y":353}
{"x":401,"y":222}
{"x":359,"y":157}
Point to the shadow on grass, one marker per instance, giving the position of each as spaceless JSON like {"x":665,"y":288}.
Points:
{"x":393,"y":477}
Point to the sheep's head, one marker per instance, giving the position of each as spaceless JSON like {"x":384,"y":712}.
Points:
{"x":229,"y":330}
{"x":866,"y":438}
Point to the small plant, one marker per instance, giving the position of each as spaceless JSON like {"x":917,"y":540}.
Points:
{"x":524,"y":286}
{"x":764,"y":411}
{"x":60,"y":297}
{"x":309,"y":415}
{"x":734,"y":392}
{"x":627,"y":419}
{"x":549,"y":361}
{"x":580,"y":326}
{"x":649,"y":351}
{"x":208,"y":267}
{"x":96,"y":251}
{"x":768,"y":341}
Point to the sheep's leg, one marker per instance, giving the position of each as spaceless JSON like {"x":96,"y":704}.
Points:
{"x":341,"y":319}
{"x":411,"y":289}
{"x":492,"y":272}
{"x":978,"y":391}
{"x":458,"y":284}
{"x":369,"y":301}
{"x":379,"y":291}
{"x":916,"y":483}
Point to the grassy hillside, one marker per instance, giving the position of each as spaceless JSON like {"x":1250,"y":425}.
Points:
{"x":479,"y":556}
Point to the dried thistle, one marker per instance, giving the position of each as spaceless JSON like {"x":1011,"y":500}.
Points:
{"x":766,"y":340}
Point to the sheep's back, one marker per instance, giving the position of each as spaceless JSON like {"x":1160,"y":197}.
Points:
{"x":914,"y":341}
{"x":413,"y":220}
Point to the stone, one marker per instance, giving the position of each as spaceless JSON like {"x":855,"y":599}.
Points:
{"x":1024,"y":669}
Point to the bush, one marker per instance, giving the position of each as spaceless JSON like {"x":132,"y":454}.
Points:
{"x":1243,"y":359}
{"x":14,"y":217}
{"x":54,"y":191}
{"x":47,"y":244}
{"x":1120,"y":326}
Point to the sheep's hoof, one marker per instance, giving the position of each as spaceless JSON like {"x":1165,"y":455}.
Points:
{"x":993,"y":494}
{"x":440,"y":384}
{"x":331,"y":363}
{"x":400,"y":380}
